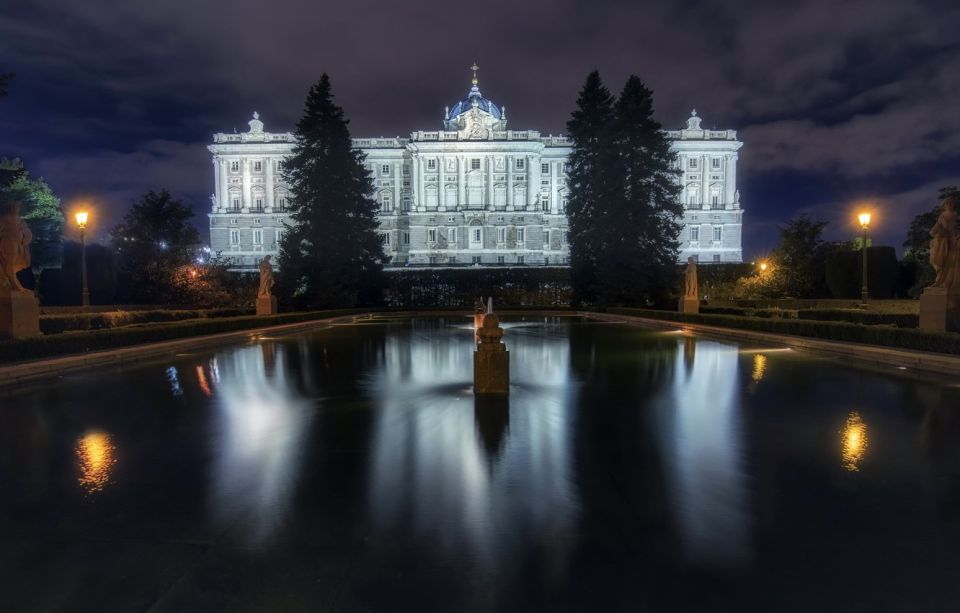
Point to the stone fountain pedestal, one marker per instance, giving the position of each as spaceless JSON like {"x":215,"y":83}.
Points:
{"x":19,"y":314}
{"x":266,"y":305}
{"x":491,"y":360}
{"x":940,"y":310}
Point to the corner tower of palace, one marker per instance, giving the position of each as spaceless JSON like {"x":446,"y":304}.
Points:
{"x":474,"y":193}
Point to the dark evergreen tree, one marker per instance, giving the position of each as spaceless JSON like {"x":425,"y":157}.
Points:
{"x":801,"y":257}
{"x":589,"y":165}
{"x":153,"y":241}
{"x":639,"y":222}
{"x":333,"y":255}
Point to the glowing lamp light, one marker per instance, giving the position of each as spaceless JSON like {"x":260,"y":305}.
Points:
{"x":854,"y":441}
{"x":864,"y":219}
{"x":82,"y":218}
{"x":763,"y":266}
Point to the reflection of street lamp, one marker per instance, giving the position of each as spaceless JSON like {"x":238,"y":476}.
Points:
{"x":864,"y":224}
{"x":82,"y":222}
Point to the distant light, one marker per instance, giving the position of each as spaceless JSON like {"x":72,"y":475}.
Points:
{"x":864,"y":219}
{"x":82,"y":217}
{"x":163,"y":244}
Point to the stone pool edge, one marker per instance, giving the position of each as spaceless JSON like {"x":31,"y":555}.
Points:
{"x":28,"y":372}
{"x":924,"y":361}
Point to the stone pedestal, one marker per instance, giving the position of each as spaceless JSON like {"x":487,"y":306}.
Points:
{"x":940,"y":310}
{"x":19,"y":314}
{"x":491,"y":372}
{"x":491,"y":360}
{"x":689,"y":305}
{"x":266,"y":305}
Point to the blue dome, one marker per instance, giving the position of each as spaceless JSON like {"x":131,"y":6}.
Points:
{"x":484,"y":104}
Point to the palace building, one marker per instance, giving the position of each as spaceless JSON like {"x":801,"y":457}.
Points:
{"x":472,"y":193}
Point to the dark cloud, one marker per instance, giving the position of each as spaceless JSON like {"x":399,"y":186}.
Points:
{"x":851,"y":97}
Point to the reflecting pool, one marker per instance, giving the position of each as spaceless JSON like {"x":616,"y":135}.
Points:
{"x":353,"y":469}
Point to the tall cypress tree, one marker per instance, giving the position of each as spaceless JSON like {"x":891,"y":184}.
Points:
{"x":637,"y":263}
{"x":589,"y":163}
{"x":333,"y":255}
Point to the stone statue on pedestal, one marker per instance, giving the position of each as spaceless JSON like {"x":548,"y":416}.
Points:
{"x":944,"y":246}
{"x":15,"y":240}
{"x":266,"y":301}
{"x":266,"y":276}
{"x":940,"y":303}
{"x":19,"y":309}
{"x":690,"y":302}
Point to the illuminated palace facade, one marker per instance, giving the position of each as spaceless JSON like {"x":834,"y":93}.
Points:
{"x":473,"y":193}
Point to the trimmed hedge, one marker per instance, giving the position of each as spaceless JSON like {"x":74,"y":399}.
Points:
{"x":869,"y":318}
{"x":415,"y":288}
{"x":20,"y":350}
{"x":55,"y":324}
{"x":918,"y":340}
{"x":772,"y":312}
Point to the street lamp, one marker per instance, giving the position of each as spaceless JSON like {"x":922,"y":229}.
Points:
{"x":82,"y":223}
{"x":763,"y":267}
{"x":864,"y":225}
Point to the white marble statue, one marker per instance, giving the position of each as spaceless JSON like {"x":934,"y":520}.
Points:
{"x":266,"y":277}
{"x":691,"y":290}
{"x":15,"y":237}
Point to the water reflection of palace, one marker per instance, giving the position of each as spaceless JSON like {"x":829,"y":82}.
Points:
{"x":702,"y":440}
{"x":261,"y":425}
{"x":473,"y":479}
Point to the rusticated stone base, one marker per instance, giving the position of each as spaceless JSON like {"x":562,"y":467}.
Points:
{"x":689,"y":305}
{"x":19,"y":314}
{"x":491,"y":372}
{"x":266,"y":305}
{"x":940,"y":310}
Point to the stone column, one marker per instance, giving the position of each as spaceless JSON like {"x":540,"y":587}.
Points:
{"x":397,"y":182}
{"x":224,"y":195}
{"x":217,"y":197}
{"x":730,"y":182}
{"x":533,"y":182}
{"x":510,"y":182}
{"x":461,"y":182}
{"x":418,"y":188}
{"x":705,"y":183}
{"x":246,"y":186}
{"x":488,"y":200}
{"x":268,"y":184}
{"x":554,"y":188}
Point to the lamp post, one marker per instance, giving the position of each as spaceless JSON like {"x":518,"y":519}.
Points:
{"x":864,"y":225}
{"x":82,"y":223}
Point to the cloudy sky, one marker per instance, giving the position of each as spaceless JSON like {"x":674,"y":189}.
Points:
{"x":838,"y":101}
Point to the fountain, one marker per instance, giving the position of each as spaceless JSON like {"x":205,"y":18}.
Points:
{"x":491,"y":360}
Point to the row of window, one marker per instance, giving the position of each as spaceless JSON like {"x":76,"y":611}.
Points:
{"x":280,"y":204}
{"x":716,"y":258}
{"x":257,"y":166}
{"x":717,"y":233}
{"x":694,"y":163}
{"x":476,"y":235}
{"x":475,"y":164}
{"x":257,"y":236}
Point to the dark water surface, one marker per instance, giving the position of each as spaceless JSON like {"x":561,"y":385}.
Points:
{"x":352,"y":469}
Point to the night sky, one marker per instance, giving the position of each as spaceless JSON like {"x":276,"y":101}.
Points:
{"x":837,"y":101}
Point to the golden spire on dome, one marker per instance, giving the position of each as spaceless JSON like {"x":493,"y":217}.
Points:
{"x":475,"y":68}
